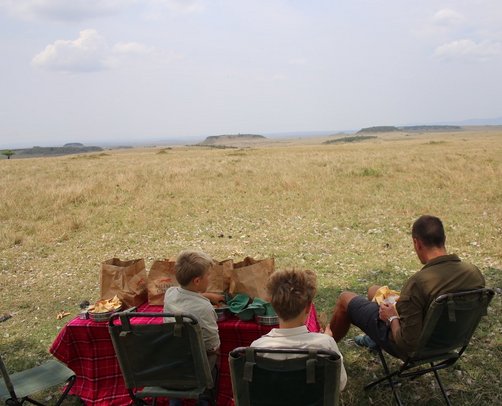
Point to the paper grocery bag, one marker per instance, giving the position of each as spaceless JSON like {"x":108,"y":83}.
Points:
{"x":126,"y":279}
{"x":162,"y":276}
{"x":250,"y":276}
{"x":219,"y":276}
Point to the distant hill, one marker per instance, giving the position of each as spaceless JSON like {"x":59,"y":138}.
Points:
{"x":430,"y":128}
{"x":68,"y":149}
{"x":231,"y":139}
{"x":356,"y":138}
{"x":379,"y":129}
{"x":411,"y":128}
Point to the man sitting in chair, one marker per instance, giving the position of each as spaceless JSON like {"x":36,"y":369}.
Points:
{"x":291,"y":294}
{"x":396,"y":329}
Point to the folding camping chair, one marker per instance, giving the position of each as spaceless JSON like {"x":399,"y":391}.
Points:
{"x":448,"y":327}
{"x":18,"y":387}
{"x":161,"y":360}
{"x":284,"y":377}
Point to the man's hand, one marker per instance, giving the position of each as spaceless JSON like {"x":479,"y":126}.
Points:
{"x":386,"y":310}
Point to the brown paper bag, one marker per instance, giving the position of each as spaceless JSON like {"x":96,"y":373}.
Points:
{"x":162,"y":276}
{"x":126,"y":279}
{"x":250,"y":276}
{"x":219,"y":276}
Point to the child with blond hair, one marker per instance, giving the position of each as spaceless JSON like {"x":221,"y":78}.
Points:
{"x":192,"y":273}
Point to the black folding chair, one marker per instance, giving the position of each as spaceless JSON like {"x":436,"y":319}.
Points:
{"x":285,"y":377}
{"x":18,"y":388}
{"x":161,"y":360}
{"x":448,"y":327}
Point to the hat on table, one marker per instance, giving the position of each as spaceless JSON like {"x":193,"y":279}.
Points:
{"x":238,"y":302}
{"x":258,"y":306}
{"x":269,"y":310}
{"x":246,"y":314}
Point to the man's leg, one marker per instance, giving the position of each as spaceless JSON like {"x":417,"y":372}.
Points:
{"x":340,"y":322}
{"x":371,"y":291}
{"x":365,"y":340}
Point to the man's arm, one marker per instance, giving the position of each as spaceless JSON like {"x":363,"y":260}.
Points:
{"x":389,"y":314}
{"x":407,"y":329}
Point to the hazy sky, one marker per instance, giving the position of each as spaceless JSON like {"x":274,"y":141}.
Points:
{"x":115,"y":70}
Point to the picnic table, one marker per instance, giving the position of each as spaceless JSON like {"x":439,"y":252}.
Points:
{"x":85,"y":346}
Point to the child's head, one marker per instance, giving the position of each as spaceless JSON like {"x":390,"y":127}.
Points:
{"x":291,"y":291}
{"x":193,"y":267}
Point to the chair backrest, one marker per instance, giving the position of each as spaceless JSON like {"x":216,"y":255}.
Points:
{"x":451,"y":320}
{"x":301,"y":377}
{"x":169,"y":354}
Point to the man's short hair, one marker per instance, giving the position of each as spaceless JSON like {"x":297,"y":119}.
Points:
{"x":429,"y":230}
{"x":191,"y":264}
{"x":291,"y":291}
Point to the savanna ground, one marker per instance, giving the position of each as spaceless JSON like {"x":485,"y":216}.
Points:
{"x":344,"y":211}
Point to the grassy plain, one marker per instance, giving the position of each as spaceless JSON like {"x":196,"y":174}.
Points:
{"x":343,"y":210}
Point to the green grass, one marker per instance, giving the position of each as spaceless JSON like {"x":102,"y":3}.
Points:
{"x":343,"y":210}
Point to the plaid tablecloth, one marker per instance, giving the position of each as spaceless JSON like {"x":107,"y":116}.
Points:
{"x":86,"y":347}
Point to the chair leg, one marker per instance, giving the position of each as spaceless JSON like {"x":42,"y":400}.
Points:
{"x":388,"y":377}
{"x":32,"y":401}
{"x":445,"y":395}
{"x":69,"y":385}
{"x":60,"y":400}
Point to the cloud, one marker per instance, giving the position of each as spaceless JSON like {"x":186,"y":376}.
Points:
{"x":81,"y":10}
{"x":131,"y":48}
{"x":183,"y":6}
{"x":157,"y":9}
{"x":63,"y":10}
{"x":88,"y":53}
{"x":447,"y":17}
{"x":279,"y":77}
{"x":297,"y":61}
{"x":469,"y":49}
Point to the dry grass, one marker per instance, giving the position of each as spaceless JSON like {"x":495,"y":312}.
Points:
{"x":343,"y":210}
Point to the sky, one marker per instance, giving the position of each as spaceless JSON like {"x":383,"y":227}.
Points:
{"x":122,"y":71}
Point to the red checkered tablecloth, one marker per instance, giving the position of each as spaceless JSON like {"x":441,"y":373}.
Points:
{"x":86,"y":347}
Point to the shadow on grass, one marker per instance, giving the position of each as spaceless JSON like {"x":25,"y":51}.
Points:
{"x":21,"y":354}
{"x":475,"y":379}
{"x":327,"y":295}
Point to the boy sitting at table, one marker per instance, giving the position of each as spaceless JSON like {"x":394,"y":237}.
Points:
{"x":192,"y":273}
{"x":291,"y":294}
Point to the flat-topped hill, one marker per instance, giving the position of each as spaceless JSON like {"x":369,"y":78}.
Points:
{"x":411,"y":128}
{"x":233,"y":139}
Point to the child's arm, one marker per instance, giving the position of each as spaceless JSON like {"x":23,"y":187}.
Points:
{"x":214,"y":298}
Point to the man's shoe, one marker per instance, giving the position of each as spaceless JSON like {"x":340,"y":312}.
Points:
{"x":365,"y":341}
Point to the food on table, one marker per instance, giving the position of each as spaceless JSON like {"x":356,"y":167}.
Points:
{"x":106,"y":305}
{"x":219,"y":305}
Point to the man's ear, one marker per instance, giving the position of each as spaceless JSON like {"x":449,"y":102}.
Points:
{"x":417,"y":244}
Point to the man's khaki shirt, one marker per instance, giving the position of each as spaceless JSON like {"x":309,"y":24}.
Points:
{"x":441,"y":275}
